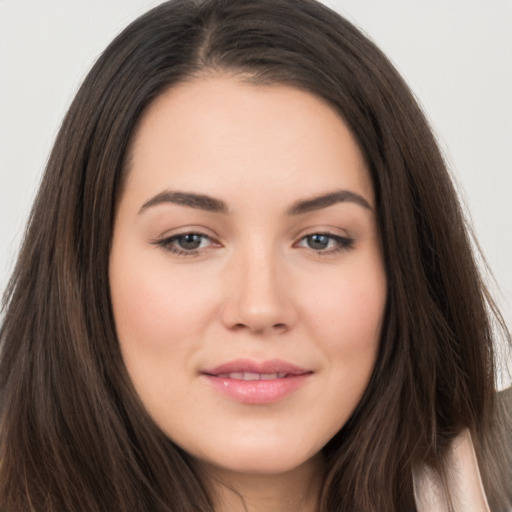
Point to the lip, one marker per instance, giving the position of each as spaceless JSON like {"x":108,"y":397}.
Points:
{"x":250,"y":366}
{"x":269,"y":390}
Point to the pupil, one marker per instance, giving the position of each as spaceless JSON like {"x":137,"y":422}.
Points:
{"x":189,"y":241}
{"x":318,"y":241}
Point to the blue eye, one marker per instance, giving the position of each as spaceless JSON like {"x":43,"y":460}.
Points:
{"x":326,"y":243}
{"x":185,"y":244}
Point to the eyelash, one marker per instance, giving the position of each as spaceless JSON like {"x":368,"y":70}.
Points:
{"x":168,"y":244}
{"x":342,"y":243}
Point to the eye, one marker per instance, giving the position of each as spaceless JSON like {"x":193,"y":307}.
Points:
{"x":326,"y":243}
{"x":185,"y":244}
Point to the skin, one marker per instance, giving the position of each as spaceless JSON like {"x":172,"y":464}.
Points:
{"x":256,"y":288}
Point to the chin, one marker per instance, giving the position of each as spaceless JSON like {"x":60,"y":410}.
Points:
{"x":259,"y":458}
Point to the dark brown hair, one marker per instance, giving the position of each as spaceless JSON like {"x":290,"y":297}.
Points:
{"x":73,"y":434}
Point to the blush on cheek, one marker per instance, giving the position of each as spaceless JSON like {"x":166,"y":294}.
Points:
{"x":160,"y":312}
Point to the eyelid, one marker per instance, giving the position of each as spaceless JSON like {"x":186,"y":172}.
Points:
{"x":344,"y":241}
{"x":192,"y":229}
{"x":166,"y":240}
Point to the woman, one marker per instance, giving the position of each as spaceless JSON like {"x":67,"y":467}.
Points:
{"x":247,"y":284}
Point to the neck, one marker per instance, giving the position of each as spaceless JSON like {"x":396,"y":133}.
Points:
{"x":294,"y":491}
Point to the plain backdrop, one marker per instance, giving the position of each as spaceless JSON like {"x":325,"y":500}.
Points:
{"x":456,"y":56}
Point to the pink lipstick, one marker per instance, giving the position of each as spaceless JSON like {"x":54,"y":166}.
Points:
{"x":254,"y":382}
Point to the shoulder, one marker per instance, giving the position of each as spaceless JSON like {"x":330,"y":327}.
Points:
{"x":505,"y":407}
{"x":463,"y":480}
{"x":505,"y":398}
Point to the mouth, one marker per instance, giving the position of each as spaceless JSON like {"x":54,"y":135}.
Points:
{"x":251,"y":375}
{"x":254,"y":382}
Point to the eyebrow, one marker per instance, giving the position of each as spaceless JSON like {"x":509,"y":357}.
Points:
{"x":326,"y":200}
{"x":199,"y":201}
{"x":210,"y":204}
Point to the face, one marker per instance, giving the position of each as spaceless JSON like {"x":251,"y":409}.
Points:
{"x":246,"y":273}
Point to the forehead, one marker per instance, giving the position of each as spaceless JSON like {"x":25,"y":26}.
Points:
{"x":219,"y":132}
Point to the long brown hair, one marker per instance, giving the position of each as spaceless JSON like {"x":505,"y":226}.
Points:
{"x":73,"y":434}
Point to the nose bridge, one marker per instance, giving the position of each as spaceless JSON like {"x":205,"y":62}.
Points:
{"x":258,"y":300}
{"x":259,"y":276}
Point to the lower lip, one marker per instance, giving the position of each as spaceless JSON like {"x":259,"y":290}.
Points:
{"x":258,"y":391}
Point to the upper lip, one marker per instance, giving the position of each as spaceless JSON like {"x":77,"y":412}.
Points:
{"x":263,"y":367}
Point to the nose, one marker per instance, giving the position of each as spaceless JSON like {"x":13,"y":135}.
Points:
{"x":259,"y":298}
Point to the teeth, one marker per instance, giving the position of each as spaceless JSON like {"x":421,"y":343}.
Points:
{"x":252,"y":376}
{"x":268,"y":376}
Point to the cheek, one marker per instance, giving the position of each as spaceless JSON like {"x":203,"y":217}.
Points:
{"x":349,"y":312}
{"x":160,"y":320}
{"x":153,"y":307}
{"x":346,"y":323}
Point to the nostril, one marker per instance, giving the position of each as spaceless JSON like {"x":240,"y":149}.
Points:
{"x":256,"y":329}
